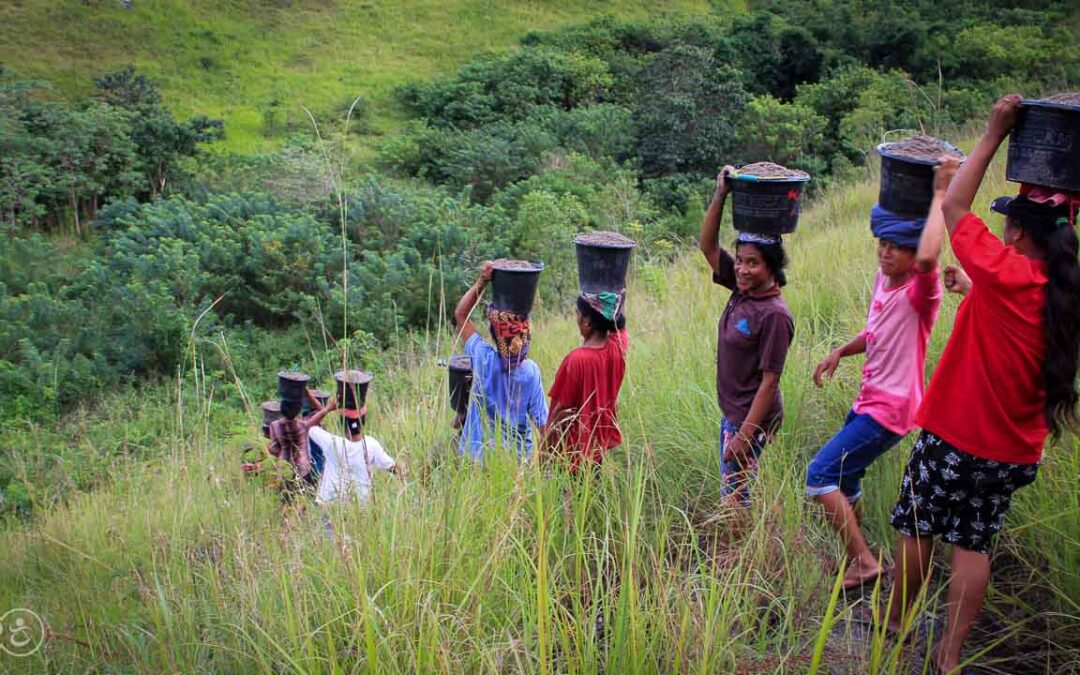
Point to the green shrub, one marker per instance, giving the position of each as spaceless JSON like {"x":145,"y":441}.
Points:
{"x":687,"y":116}
{"x":504,"y":87}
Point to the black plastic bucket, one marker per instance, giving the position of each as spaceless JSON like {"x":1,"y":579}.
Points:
{"x":513,"y":288}
{"x":1044,"y":146}
{"x":321,"y":396}
{"x":271,"y":411}
{"x":907,"y":183}
{"x":291,"y":385}
{"x":352,"y":386}
{"x":766,"y":206}
{"x":461,"y":377}
{"x":602,"y":265}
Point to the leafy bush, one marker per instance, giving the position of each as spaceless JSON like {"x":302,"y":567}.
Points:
{"x":504,"y":87}
{"x":64,"y":162}
{"x":482,"y":159}
{"x":774,"y":56}
{"x":687,"y":116}
{"x":791,"y":134}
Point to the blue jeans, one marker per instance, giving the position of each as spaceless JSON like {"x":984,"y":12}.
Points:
{"x":735,"y":477}
{"x":842,"y":462}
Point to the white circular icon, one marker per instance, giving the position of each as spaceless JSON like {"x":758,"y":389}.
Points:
{"x":21,"y":632}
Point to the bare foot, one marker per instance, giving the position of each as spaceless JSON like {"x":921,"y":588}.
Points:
{"x":861,"y":572}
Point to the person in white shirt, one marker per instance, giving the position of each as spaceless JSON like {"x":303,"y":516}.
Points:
{"x":349,"y":460}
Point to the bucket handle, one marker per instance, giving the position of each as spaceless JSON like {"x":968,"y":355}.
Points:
{"x":744,"y":177}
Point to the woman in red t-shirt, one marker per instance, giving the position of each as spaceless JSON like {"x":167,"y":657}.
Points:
{"x":583,"y":423}
{"x":1006,"y":380}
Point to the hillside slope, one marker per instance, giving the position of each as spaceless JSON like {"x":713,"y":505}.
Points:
{"x":182,"y":566}
{"x":257,"y":63}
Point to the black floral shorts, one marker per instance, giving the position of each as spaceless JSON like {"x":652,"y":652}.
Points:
{"x":961,"y":497}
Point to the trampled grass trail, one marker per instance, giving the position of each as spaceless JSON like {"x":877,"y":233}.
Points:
{"x":182,"y":566}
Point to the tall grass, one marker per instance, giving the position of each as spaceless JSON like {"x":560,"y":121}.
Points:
{"x":182,"y":566}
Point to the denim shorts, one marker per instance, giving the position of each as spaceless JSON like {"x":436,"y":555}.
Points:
{"x":734,"y":477}
{"x":842,"y":462}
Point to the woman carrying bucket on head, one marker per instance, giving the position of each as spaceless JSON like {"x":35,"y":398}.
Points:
{"x":584,"y":419}
{"x":903,"y":309}
{"x":289,"y":434}
{"x":1006,"y":379}
{"x":753,"y":336}
{"x":507,"y":393}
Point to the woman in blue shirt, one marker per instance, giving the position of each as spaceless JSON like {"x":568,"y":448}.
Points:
{"x":507,"y":393}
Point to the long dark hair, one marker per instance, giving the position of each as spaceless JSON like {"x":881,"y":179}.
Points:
{"x":1060,"y":248}
{"x":775,"y":258}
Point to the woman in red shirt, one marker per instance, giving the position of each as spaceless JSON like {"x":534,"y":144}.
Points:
{"x":1006,"y":380}
{"x":584,"y":419}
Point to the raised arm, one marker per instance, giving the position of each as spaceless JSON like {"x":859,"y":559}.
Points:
{"x":721,"y":262}
{"x":316,"y":418}
{"x":468,"y":302}
{"x":961,"y":193}
{"x":933,"y":234}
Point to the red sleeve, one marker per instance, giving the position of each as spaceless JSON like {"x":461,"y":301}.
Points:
{"x":622,"y":339}
{"x":566,"y":389}
{"x":985,"y":258}
{"x":777,"y":331}
{"x":925,"y":291}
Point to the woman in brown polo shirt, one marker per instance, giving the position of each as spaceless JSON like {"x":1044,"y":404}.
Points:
{"x":755,"y":331}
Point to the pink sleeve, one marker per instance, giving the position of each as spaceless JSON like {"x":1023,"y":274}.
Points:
{"x":925,"y":291}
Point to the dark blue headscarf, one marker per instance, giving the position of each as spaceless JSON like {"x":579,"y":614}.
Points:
{"x":895,"y":228}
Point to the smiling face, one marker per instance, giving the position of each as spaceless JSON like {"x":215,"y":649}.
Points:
{"x":752,"y":273}
{"x":895,"y":261}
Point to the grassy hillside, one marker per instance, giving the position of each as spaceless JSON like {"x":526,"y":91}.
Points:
{"x":183,"y":567}
{"x":253,"y":61}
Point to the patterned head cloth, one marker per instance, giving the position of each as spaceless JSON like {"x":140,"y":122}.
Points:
{"x":1041,"y":217}
{"x":1051,"y":198}
{"x":605,"y":303}
{"x":755,"y":238}
{"x":512,"y":333}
